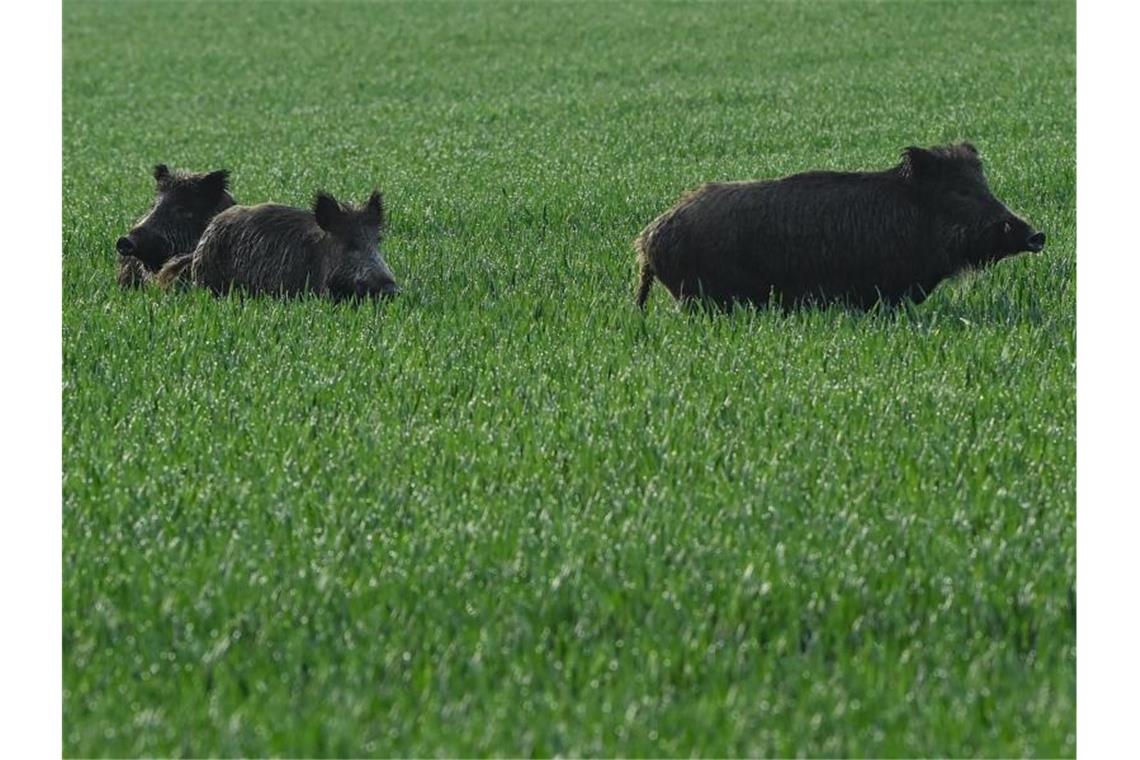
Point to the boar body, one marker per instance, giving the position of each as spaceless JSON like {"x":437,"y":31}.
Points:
{"x":332,"y":250}
{"x":851,"y":237}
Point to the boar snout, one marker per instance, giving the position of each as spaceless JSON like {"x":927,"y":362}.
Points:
{"x":151,"y":249}
{"x":380,"y":286}
{"x":385,"y":286}
{"x":1019,"y":236}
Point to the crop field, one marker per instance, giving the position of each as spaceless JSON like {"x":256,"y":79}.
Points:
{"x":506,"y":512}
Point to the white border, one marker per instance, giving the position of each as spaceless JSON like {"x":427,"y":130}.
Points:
{"x":1108,"y":455}
{"x":31,"y":44}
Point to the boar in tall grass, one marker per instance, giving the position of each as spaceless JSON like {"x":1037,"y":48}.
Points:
{"x":331,"y":250}
{"x":184,"y":204}
{"x":856,"y":238}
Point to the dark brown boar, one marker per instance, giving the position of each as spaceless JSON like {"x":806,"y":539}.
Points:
{"x":184,"y":204}
{"x":852,"y":237}
{"x":332,"y":250}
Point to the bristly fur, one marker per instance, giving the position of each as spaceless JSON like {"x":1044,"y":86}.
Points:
{"x":333,"y":212}
{"x":332,"y":249}
{"x":174,"y":272}
{"x":913,"y":159}
{"x":167,"y":179}
{"x":852,"y":237}
{"x":130,"y":273}
{"x":184,"y":204}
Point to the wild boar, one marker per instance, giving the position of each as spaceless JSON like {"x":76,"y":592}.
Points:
{"x":332,"y":250}
{"x":184,"y":204}
{"x":852,"y":237}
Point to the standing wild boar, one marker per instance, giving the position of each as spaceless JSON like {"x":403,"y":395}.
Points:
{"x":333,"y":250}
{"x":852,"y":237}
{"x":184,"y":204}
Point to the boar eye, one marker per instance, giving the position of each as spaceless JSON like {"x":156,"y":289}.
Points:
{"x":1006,"y":228}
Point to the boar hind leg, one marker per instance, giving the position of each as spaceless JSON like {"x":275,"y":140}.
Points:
{"x":131,"y":273}
{"x":176,"y":272}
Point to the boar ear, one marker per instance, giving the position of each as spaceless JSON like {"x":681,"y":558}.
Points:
{"x":216,"y":182}
{"x":969,"y":148}
{"x":327,"y":211}
{"x":917,"y":162}
{"x":374,"y":209}
{"x":161,"y":172}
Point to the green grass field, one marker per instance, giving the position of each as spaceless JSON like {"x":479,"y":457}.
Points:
{"x":506,"y":513}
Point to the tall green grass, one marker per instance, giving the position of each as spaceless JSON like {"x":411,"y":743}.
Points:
{"x":506,"y":513}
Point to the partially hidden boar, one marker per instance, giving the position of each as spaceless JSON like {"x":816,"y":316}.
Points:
{"x":332,"y":250}
{"x":184,"y":204}
{"x":852,"y":237}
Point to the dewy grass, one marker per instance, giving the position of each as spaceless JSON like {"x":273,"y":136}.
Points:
{"x":507,"y":513}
